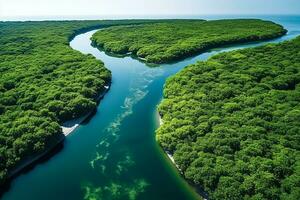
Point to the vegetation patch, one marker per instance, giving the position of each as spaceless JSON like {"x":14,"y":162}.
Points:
{"x":232,"y":123}
{"x":176,"y":39}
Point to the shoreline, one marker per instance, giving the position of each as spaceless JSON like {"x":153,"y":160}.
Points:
{"x":31,"y":161}
{"x":70,"y":126}
{"x":199,"y":191}
{"x":170,"y":156}
{"x":67,"y":128}
{"x":173,"y":161}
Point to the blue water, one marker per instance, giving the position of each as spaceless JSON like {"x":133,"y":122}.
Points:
{"x":115,"y":155}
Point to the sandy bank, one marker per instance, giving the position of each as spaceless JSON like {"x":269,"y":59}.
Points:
{"x":69,"y":126}
{"x":170,"y":156}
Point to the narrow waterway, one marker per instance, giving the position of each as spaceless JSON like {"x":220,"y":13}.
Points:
{"x":115,"y":155}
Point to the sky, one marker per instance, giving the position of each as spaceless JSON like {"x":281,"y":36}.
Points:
{"x":16,"y":8}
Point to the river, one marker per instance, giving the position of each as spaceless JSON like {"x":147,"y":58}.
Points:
{"x":114,"y":155}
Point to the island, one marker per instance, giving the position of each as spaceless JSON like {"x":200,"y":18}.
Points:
{"x":174,"y":40}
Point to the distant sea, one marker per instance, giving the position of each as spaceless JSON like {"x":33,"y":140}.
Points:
{"x":99,"y":17}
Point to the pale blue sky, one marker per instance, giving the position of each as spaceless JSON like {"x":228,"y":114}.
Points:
{"x":12,"y":8}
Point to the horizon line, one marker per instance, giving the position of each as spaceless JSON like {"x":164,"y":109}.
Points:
{"x":115,"y":17}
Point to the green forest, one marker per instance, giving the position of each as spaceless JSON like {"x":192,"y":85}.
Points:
{"x":232,"y":123}
{"x":177,"y":39}
{"x":43,"y":84}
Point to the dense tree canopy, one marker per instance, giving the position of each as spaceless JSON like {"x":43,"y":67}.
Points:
{"x":43,"y":83}
{"x":233,"y":123}
{"x":176,"y":39}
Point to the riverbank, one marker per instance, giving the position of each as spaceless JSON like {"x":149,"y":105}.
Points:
{"x":170,"y":156}
{"x":67,"y":128}
{"x":199,"y":191}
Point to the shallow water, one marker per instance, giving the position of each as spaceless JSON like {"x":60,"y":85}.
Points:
{"x":115,"y":155}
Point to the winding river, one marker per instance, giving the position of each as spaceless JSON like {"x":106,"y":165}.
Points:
{"x":114,"y":155}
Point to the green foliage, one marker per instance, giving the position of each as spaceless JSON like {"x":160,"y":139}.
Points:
{"x":176,"y":39}
{"x":44,"y":83}
{"x":233,"y":123}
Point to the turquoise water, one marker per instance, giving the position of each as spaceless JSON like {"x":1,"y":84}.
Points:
{"x":114,"y":155}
